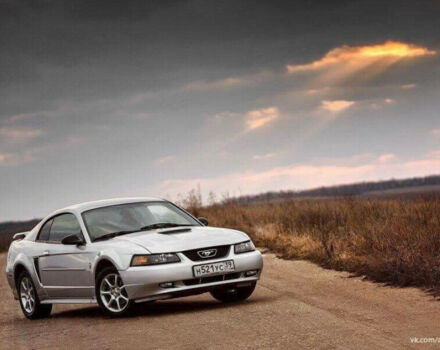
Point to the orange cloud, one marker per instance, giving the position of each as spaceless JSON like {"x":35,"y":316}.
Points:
{"x":260,"y":117}
{"x":385,"y":158}
{"x":223,"y":83}
{"x":408,"y":86}
{"x":361,"y":56}
{"x":229,"y":82}
{"x":19,"y":134}
{"x":254,"y":119}
{"x":336,"y":106}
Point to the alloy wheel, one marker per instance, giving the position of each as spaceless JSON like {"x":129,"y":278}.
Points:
{"x":27,"y":295}
{"x":113,"y":293}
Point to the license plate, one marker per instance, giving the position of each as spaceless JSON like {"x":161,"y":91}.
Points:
{"x":214,"y":268}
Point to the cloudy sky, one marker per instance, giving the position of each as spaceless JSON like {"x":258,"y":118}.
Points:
{"x":118,"y":98}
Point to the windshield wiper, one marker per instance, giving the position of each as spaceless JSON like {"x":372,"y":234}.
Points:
{"x":144,"y":228}
{"x":114,"y":234}
{"x":162,"y":225}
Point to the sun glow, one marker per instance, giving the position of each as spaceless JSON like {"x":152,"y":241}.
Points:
{"x":388,"y":52}
{"x":257,"y":118}
{"x":336,"y":106}
{"x":394,"y":49}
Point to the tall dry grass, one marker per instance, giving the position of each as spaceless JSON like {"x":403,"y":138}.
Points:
{"x":387,"y":240}
{"x":5,"y":241}
{"x":395,"y":241}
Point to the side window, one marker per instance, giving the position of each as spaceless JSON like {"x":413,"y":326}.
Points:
{"x":64,"y":225}
{"x":44,"y":231}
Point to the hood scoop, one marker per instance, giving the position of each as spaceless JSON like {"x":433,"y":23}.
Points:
{"x":175,"y":230}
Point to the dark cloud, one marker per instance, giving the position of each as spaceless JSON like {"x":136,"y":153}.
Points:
{"x":116,"y":10}
{"x":92,"y":48}
{"x":105,"y":84}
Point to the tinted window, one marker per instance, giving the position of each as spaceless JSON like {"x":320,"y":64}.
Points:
{"x":64,"y":225}
{"x":44,"y":232}
{"x":133,"y":216}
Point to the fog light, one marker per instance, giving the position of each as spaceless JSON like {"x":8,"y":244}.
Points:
{"x":167,"y":285}
{"x":251,"y":273}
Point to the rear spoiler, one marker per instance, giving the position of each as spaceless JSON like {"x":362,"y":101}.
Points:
{"x":19,"y":235}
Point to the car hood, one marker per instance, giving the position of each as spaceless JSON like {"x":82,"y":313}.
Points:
{"x":159,"y":241}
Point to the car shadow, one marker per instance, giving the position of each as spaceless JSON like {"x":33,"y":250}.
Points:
{"x":160,"y":308}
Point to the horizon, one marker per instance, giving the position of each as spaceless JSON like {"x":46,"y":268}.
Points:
{"x":183,"y":196}
{"x":103,"y":100}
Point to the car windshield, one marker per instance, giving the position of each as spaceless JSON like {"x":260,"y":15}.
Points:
{"x":133,"y":217}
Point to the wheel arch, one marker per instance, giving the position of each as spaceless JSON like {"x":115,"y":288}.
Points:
{"x":18,"y":269}
{"x":19,"y":264}
{"x":102,"y":264}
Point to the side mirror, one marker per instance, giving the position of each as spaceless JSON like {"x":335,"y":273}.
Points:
{"x":18,"y":236}
{"x":72,"y":240}
{"x":204,"y":221}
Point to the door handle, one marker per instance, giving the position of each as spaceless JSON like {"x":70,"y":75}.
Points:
{"x":46,"y":252}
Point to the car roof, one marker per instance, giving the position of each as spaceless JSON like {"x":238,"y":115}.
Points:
{"x":81,"y":207}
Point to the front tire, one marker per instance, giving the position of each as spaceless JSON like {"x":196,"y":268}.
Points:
{"x":111,"y":294}
{"x":233,"y":294}
{"x":28,"y":297}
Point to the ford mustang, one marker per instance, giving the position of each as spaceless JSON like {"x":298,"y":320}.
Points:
{"x":120,"y":252}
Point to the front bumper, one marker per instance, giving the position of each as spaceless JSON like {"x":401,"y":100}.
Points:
{"x":142,"y":283}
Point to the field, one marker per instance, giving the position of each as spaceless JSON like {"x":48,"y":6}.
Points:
{"x":8,"y":229}
{"x":5,"y":240}
{"x":396,"y":241}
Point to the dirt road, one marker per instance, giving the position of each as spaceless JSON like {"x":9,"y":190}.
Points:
{"x":296,"y":305}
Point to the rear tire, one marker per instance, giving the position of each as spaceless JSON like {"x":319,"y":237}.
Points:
{"x":29,"y":302}
{"x":111,"y":294}
{"x":233,"y":294}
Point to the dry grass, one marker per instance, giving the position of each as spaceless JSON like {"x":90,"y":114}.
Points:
{"x":8,"y":229}
{"x":394,"y":241}
{"x":5,"y":241}
{"x":387,"y":240}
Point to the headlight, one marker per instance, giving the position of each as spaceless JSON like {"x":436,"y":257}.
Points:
{"x":154,"y":259}
{"x":244,"y":247}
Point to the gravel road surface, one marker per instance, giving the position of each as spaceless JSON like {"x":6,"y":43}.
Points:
{"x":297,"y":305}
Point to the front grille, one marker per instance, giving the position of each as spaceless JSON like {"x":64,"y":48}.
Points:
{"x":221,"y":252}
{"x":227,"y":277}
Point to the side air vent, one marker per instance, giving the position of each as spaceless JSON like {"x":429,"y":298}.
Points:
{"x":37,"y":268}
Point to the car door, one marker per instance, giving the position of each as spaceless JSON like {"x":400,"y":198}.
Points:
{"x":65,"y":270}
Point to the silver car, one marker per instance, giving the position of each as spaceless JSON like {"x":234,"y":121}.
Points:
{"x":120,"y":252}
